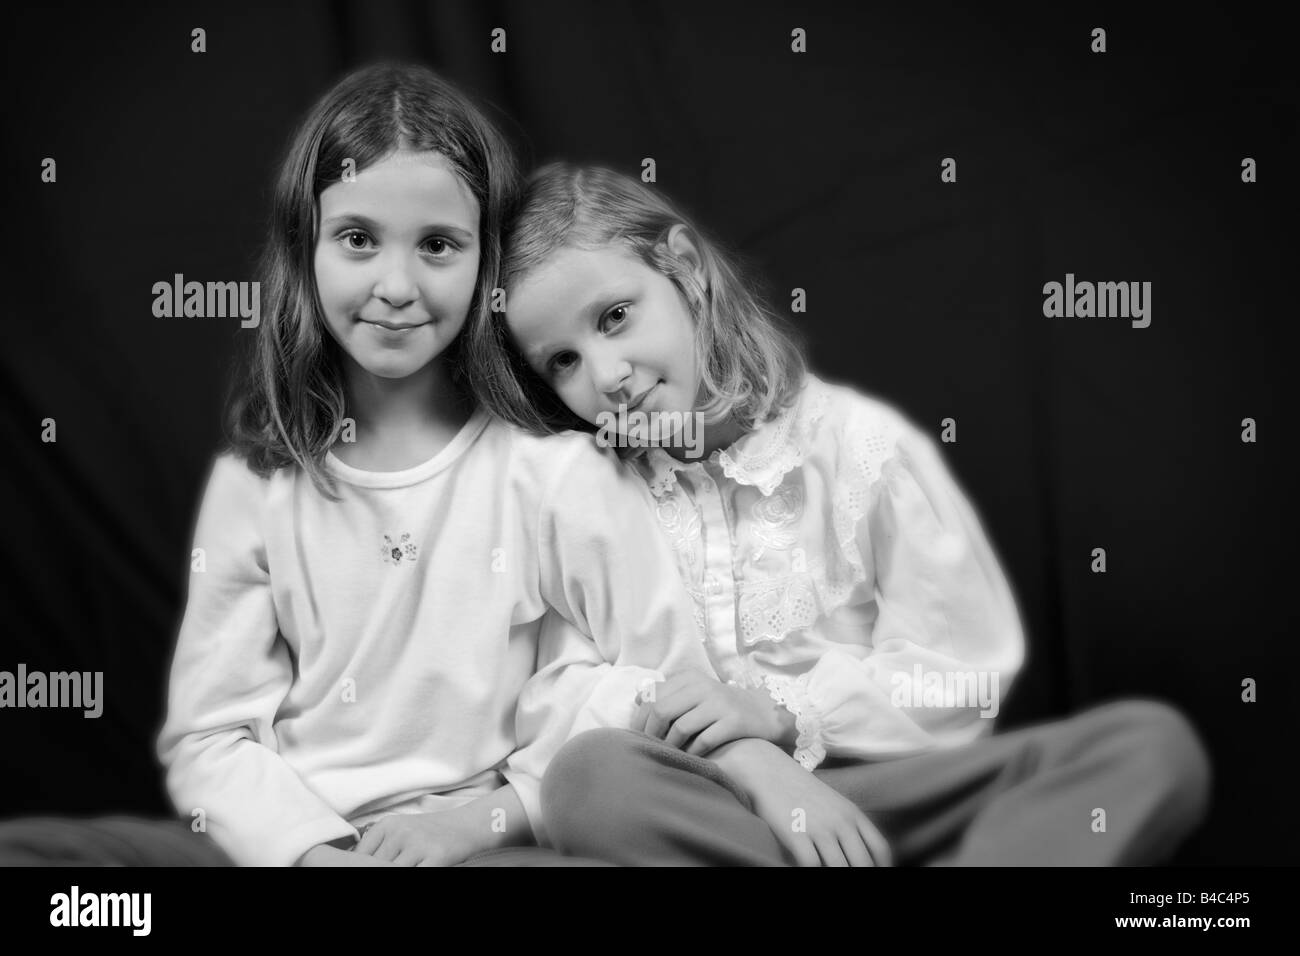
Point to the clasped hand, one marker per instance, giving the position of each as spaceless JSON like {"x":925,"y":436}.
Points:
{"x":696,"y":713}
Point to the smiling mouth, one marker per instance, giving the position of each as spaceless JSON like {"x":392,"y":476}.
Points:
{"x":395,"y":326}
{"x":641,"y":398}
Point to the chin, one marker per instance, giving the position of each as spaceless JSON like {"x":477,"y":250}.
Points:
{"x":396,"y":368}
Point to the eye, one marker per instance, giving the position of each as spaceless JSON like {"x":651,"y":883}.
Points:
{"x":561,"y":362}
{"x":614,"y":317}
{"x":347,"y":239}
{"x":439,"y":246}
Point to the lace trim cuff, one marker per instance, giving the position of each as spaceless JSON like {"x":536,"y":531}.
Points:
{"x":809,"y":748}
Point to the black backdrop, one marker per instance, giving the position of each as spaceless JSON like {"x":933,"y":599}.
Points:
{"x":823,"y":168}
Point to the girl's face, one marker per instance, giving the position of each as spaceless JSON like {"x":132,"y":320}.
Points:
{"x":603,"y":329}
{"x":397,"y":261}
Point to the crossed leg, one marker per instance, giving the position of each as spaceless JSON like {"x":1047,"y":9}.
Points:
{"x":1027,"y":797}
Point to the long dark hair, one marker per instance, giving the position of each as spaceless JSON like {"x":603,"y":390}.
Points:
{"x":288,"y":405}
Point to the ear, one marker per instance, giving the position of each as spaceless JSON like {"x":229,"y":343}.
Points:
{"x":685,"y":245}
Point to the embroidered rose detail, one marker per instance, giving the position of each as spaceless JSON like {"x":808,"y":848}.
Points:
{"x":776,"y":518}
{"x":670,"y":515}
{"x":393,"y":553}
{"x":683,"y":532}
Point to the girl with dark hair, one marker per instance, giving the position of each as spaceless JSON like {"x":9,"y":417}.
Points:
{"x":383,"y":564}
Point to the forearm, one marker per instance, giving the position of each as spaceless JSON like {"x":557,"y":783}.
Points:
{"x":787,"y":733}
{"x":254,"y":805}
{"x":498,"y":818}
{"x":910,"y":699}
{"x":743,"y":759}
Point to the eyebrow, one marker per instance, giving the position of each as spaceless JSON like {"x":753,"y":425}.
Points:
{"x":364,"y":221}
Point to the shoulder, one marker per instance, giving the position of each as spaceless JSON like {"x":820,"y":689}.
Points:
{"x":569,"y":466}
{"x":232,"y":513}
{"x":233,"y":478}
{"x":542,"y":456}
{"x":237,"y":495}
{"x":868,"y":445}
{"x":859,"y":423}
{"x":828,"y":428}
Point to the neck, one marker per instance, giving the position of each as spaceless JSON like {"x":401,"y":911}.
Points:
{"x":715,"y":437}
{"x":426,"y":401}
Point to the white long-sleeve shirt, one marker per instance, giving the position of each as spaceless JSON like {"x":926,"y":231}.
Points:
{"x":339,"y":661}
{"x":835,"y":562}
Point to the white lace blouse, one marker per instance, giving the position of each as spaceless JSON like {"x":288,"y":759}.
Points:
{"x":835,"y":562}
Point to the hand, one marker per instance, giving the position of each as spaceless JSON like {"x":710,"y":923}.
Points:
{"x":448,"y":837}
{"x":813,"y":822}
{"x":698,"y":713}
{"x":421,"y":839}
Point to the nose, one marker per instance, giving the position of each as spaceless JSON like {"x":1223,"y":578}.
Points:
{"x":610,"y":373}
{"x":397,"y":285}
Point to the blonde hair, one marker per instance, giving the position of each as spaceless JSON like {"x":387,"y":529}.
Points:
{"x":751,"y":364}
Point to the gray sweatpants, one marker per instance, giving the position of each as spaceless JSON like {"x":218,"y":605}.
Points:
{"x":1025,"y":797}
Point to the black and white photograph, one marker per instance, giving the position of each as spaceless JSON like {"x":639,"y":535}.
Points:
{"x":623,"y":435}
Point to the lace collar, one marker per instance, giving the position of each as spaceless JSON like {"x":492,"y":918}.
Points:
{"x":761,"y":457}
